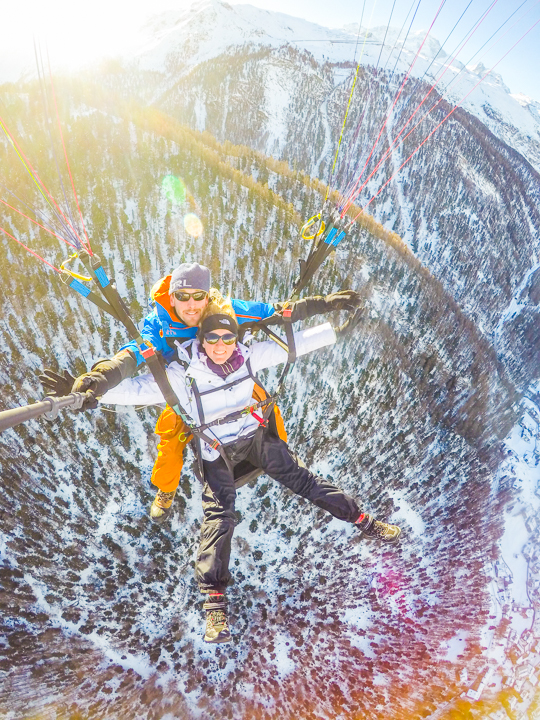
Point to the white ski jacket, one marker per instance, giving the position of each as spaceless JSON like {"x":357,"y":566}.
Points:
{"x":230,"y":398}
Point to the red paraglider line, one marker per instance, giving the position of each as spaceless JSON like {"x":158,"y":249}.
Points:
{"x":388,"y":152}
{"x":443,"y":121}
{"x":30,"y":251}
{"x":51,"y":232}
{"x":398,"y":95}
{"x":87,"y":248}
{"x":35,"y":177}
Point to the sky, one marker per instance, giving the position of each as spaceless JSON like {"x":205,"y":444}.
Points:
{"x":84,"y":31}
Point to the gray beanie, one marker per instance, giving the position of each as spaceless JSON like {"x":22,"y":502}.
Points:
{"x":190,"y":276}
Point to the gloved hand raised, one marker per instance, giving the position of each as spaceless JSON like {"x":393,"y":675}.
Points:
{"x":316,"y":305}
{"x":103,"y":376}
{"x":349,"y":324}
{"x":55,"y":384}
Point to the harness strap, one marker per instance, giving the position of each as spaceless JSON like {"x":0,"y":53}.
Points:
{"x":287,"y":315}
{"x":248,"y":410}
{"x":231,"y":417}
{"x":229,"y":385}
{"x":320,"y":250}
{"x":112,"y":296}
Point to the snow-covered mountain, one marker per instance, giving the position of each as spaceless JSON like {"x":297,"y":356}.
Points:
{"x":461,"y":202}
{"x":178,"y":41}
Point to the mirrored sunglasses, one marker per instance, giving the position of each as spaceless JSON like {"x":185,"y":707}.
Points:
{"x":213,"y":338}
{"x":185,"y":296}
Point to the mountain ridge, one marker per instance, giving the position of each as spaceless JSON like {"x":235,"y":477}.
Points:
{"x":211,"y":27}
{"x":412,"y":399}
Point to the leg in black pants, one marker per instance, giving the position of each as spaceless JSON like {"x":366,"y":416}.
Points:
{"x":219,"y":494}
{"x":272,"y":455}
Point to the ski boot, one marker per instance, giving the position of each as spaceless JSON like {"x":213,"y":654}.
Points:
{"x":376,"y":529}
{"x":217,"y":621}
{"x":161,"y":507}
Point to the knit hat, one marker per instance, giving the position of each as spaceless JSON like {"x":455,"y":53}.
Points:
{"x":218,"y":321}
{"x":190,"y":276}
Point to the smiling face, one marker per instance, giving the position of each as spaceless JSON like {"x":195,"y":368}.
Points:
{"x":219,"y":352}
{"x":189,"y":311}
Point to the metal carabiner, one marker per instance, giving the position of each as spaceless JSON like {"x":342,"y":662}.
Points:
{"x":70,"y":272}
{"x":310,"y":222}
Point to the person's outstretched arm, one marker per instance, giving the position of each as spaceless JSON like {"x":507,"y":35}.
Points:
{"x":317,"y":305}
{"x":269,"y":353}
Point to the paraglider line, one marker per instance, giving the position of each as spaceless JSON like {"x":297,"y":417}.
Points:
{"x":41,"y":76}
{"x":87,"y":248}
{"x":39,"y":224}
{"x":37,"y":180}
{"x":350,"y":99}
{"x":28,"y":249}
{"x":444,"y":120}
{"x":394,"y":142}
{"x":395,"y":101}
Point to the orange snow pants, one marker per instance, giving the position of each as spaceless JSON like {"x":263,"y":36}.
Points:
{"x":173,"y":438}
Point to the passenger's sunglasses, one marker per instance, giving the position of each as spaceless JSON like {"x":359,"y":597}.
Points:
{"x":185,"y":296}
{"x":213,"y":338}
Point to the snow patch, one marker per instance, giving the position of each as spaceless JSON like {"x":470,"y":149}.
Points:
{"x":406,"y":513}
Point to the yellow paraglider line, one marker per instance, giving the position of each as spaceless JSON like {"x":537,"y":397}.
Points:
{"x":21,"y":158}
{"x":348,"y":106}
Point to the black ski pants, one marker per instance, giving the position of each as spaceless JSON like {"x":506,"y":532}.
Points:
{"x":272,"y":455}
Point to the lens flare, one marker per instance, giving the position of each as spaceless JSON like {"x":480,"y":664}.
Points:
{"x":174,"y":189}
{"x":192,"y":225}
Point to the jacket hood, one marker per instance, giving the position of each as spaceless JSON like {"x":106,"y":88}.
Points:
{"x":160,"y":295}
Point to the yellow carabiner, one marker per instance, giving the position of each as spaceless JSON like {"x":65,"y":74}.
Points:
{"x":182,"y":437}
{"x":309,"y":223}
{"x":70,"y":272}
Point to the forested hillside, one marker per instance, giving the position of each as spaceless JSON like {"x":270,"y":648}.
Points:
{"x":100,"y":613}
{"x":466,"y":204}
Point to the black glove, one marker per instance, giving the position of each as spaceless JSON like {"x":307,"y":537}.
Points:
{"x":343,"y":300}
{"x":93,"y":381}
{"x":106,"y":374}
{"x":61,"y":385}
{"x":56,"y":385}
{"x":103,"y":376}
{"x":316,"y":305}
{"x":349,"y":324}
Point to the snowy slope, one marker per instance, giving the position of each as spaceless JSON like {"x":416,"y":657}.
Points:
{"x":403,"y":415}
{"x":176,"y":42}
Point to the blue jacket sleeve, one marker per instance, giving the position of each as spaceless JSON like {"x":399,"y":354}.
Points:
{"x":150,"y":331}
{"x":247,"y":311}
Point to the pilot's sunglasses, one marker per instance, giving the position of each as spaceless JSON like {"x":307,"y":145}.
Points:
{"x":213,"y":338}
{"x":185,"y":296}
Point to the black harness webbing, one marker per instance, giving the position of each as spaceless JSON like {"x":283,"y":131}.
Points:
{"x":320,"y":250}
{"x":115,"y":306}
{"x":198,"y":432}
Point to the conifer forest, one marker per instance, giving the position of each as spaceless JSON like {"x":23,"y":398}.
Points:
{"x":100,"y":615}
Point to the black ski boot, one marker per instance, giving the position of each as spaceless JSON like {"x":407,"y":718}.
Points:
{"x":376,"y":529}
{"x":217,"y":621}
